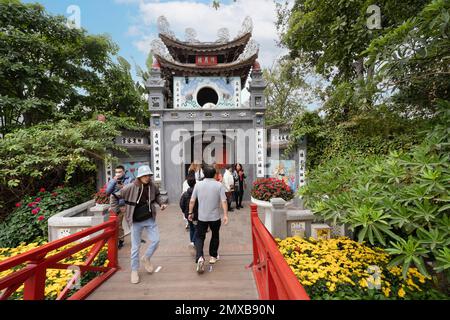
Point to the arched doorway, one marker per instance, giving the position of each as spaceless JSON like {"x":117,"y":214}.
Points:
{"x":209,"y":148}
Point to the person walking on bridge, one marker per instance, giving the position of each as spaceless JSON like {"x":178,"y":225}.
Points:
{"x":210,"y":193}
{"x":140,"y":213}
{"x":120,"y":180}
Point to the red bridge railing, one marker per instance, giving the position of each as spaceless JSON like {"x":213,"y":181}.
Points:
{"x":33,"y":275}
{"x":274,"y":278}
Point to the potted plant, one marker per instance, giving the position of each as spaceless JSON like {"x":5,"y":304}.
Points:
{"x":101,"y":201}
{"x":265,"y":189}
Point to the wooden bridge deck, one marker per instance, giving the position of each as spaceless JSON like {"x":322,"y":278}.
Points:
{"x":177,"y":278}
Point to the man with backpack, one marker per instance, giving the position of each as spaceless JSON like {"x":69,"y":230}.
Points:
{"x":210,"y":193}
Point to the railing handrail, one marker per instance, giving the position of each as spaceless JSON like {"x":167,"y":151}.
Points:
{"x":33,"y":275}
{"x":276,"y":281}
{"x":54,"y":245}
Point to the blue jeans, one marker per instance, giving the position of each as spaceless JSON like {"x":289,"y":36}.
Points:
{"x":192,"y":231}
{"x":151,"y":227}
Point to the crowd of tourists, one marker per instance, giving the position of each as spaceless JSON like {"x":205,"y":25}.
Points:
{"x":206,"y":189}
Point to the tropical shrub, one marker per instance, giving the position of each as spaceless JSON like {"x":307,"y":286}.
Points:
{"x":268,"y":188}
{"x":346,"y":269}
{"x":400,"y":201}
{"x":57,"y":279}
{"x":28,"y":221}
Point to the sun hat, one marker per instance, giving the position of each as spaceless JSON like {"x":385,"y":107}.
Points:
{"x":144,"y":171}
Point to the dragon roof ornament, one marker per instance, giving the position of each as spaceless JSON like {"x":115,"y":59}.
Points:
{"x":191,"y":35}
{"x":247,"y":27}
{"x":164,"y":27}
{"x":250,"y":50}
{"x":223,"y":35}
{"x":158,"y":48}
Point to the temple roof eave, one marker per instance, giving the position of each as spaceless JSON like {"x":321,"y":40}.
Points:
{"x":205,"y":47}
{"x":242,"y":68}
{"x":236,"y":65}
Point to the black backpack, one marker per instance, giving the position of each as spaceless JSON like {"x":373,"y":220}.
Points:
{"x":183,"y":205}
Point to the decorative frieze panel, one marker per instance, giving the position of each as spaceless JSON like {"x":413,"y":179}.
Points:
{"x":187,"y":92}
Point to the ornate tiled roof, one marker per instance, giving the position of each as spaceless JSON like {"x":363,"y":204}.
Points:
{"x":176,"y":46}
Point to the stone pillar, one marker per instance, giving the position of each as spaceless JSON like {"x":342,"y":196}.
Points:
{"x":278,"y":218}
{"x":301,"y":168}
{"x":256,"y":87}
{"x":156,"y":87}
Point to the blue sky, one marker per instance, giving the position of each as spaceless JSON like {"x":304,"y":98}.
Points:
{"x":132,"y":23}
{"x":100,"y":17}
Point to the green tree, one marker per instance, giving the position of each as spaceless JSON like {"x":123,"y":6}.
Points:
{"x":287,"y":93}
{"x":413,"y":60}
{"x":49,"y":71}
{"x":332,"y":35}
{"x":53,"y":153}
{"x":389,"y":108}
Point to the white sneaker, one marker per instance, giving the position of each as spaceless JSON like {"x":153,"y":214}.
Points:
{"x":201,"y":265}
{"x":213,"y":260}
{"x":148,"y":265}
{"x":134,"y":277}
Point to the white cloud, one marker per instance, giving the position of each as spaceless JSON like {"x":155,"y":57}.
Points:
{"x":206,"y":21}
{"x":134,"y":31}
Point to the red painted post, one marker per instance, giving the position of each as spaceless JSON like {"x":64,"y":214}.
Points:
{"x":34,"y":286}
{"x":273,"y":276}
{"x":113,"y":241}
{"x":254,"y":215}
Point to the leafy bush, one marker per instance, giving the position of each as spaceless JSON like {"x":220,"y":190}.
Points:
{"x":58,"y":151}
{"x":345,"y":269}
{"x":399,"y":201}
{"x":268,"y":188}
{"x":29,"y":220}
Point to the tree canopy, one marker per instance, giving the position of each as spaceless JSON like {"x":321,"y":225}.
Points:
{"x":51,"y":71}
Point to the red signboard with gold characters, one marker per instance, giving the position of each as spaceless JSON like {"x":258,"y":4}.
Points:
{"x":206,"y":60}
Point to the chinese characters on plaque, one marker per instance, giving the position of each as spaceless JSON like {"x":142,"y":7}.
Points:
{"x":260,"y":168}
{"x":206,"y":60}
{"x":301,"y":166}
{"x":156,"y":134}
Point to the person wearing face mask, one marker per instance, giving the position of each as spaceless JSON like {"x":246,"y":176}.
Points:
{"x":119,"y":180}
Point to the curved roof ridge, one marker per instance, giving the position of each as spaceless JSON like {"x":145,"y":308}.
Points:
{"x":205,"y":46}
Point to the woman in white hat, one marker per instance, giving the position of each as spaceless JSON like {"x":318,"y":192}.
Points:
{"x":140,"y":214}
